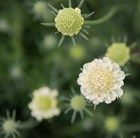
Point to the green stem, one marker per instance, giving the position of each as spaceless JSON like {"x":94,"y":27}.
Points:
{"x":131,"y":128}
{"x":17,"y":32}
{"x":105,"y":18}
{"x":16,"y":42}
{"x":28,"y":124}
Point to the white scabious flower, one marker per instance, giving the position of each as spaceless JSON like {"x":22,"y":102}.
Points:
{"x":101,"y":81}
{"x":44,"y":103}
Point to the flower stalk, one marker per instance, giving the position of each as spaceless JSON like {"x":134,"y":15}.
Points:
{"x":105,"y":18}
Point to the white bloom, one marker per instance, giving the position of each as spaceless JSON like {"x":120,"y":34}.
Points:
{"x":44,"y":103}
{"x":101,"y":81}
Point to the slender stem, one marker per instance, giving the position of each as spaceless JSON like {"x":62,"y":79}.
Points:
{"x":28,"y":124}
{"x":131,"y":128}
{"x":109,"y":15}
{"x":70,"y":4}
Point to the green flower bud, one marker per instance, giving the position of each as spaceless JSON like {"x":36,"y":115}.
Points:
{"x":111,"y":124}
{"x":69,"y":21}
{"x":16,"y":72}
{"x":78,"y":103}
{"x":39,"y":7}
{"x":119,"y":53}
{"x":77,"y":52}
{"x":49,"y":41}
{"x":9,"y":126}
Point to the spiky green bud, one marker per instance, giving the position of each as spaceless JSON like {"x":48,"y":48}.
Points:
{"x":119,"y":53}
{"x":78,"y":103}
{"x":69,"y":21}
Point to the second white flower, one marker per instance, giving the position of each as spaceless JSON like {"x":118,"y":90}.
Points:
{"x":101,"y":81}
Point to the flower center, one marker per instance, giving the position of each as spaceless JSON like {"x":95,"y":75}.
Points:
{"x":101,"y":80}
{"x":43,"y":103}
{"x":9,"y":126}
{"x":78,"y":103}
{"x":69,"y":21}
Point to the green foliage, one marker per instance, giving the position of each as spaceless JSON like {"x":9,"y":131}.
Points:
{"x":30,"y":60}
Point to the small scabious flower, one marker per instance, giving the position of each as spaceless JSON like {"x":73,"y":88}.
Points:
{"x":77,"y":52}
{"x":69,"y":21}
{"x":112,"y":124}
{"x":40,"y":10}
{"x":119,"y":53}
{"x":4,"y":26}
{"x":101,"y":81}
{"x":50,"y":41}
{"x":44,"y":103}
{"x":9,"y":126}
{"x":77,"y":104}
{"x":16,"y":72}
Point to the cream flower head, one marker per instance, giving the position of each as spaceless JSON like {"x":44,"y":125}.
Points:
{"x":70,"y":22}
{"x":101,"y":81}
{"x":44,"y":103}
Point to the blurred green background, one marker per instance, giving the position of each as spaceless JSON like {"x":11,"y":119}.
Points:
{"x":30,"y":58}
